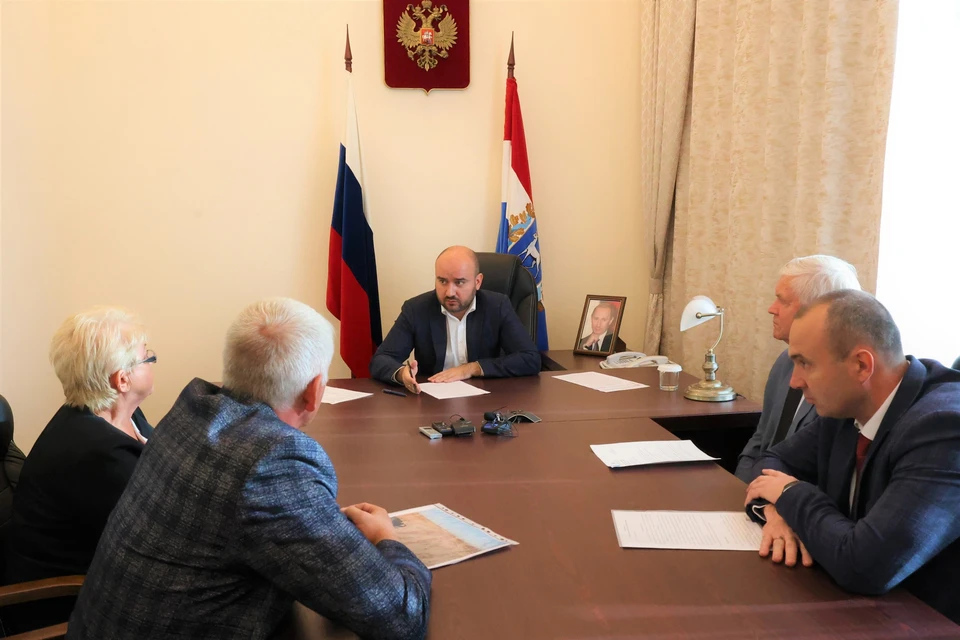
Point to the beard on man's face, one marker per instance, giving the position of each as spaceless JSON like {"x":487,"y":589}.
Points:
{"x":456,"y":305}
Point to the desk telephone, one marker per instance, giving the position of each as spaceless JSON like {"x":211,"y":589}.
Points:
{"x":631,"y":359}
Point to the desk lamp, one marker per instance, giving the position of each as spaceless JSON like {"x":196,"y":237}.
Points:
{"x":699,"y":310}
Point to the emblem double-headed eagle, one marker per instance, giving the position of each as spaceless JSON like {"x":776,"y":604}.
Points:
{"x":427,"y":43}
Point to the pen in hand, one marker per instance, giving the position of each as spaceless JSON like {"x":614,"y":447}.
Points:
{"x":393,"y":392}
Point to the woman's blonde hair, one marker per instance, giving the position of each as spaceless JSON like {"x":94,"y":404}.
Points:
{"x":91,"y":346}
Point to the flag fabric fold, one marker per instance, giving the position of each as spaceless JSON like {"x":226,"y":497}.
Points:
{"x":518,"y":220}
{"x":352,"y":293}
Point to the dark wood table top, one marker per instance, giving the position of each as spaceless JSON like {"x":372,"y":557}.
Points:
{"x":568,"y":578}
{"x":566,"y":359}
{"x":552,"y":400}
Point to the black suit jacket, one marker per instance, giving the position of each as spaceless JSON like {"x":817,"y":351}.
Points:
{"x":70,"y":482}
{"x":495,"y":339}
{"x":604,"y":344}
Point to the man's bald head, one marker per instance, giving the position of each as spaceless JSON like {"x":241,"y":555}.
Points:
{"x":460,"y":254}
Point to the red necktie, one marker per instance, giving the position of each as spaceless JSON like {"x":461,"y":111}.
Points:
{"x":862,"y":443}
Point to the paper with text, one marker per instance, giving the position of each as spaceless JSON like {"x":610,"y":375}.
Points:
{"x":448,"y":390}
{"x":440,"y":536}
{"x":333,"y":395}
{"x":631,"y":454}
{"x":697,"y":530}
{"x":600,"y":381}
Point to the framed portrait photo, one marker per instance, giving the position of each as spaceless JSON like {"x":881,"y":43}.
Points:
{"x":599,"y":325}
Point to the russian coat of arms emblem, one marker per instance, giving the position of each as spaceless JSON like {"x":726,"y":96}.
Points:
{"x":428,"y":44}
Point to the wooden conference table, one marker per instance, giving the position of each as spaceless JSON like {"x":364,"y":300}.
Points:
{"x":568,"y":578}
{"x":719,"y":428}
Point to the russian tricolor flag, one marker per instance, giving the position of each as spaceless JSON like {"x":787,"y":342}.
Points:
{"x":518,"y":221}
{"x":352,"y":294}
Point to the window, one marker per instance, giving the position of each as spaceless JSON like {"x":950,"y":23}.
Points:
{"x":918,"y":277}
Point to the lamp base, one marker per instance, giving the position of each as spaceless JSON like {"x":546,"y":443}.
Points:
{"x":710,"y":391}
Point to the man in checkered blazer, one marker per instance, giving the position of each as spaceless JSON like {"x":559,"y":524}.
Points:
{"x":231,"y":513}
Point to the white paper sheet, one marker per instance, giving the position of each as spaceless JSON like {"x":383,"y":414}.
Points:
{"x":448,"y":390}
{"x":697,"y":530}
{"x":600,"y":381}
{"x":631,"y":454}
{"x":440,"y":536}
{"x":333,"y":395}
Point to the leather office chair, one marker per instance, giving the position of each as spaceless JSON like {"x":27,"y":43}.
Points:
{"x":11,"y":459}
{"x":504,"y":273}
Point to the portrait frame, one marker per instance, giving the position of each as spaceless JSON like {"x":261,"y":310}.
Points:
{"x":608,"y":339}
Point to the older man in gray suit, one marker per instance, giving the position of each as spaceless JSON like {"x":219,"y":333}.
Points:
{"x":231,"y":513}
{"x":802,"y":280}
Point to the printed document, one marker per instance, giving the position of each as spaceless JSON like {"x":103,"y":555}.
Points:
{"x":439,"y":536}
{"x":631,"y":454}
{"x":600,"y":381}
{"x":699,"y":530}
{"x":333,"y":395}
{"x":448,"y":390}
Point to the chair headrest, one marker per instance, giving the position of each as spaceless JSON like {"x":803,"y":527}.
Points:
{"x":505,"y":273}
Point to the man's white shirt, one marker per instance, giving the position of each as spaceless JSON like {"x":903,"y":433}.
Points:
{"x":457,"y":337}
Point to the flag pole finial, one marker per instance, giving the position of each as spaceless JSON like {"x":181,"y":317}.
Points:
{"x":347,"y":54}
{"x":511,"y":61}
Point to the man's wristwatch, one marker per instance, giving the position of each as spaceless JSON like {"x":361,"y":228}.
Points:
{"x":788,"y":486}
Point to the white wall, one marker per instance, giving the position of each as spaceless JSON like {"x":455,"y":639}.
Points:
{"x":179,"y":158}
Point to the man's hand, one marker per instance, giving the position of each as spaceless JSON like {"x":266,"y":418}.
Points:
{"x":780,"y":539}
{"x":372,"y":521}
{"x":463,"y":372}
{"x":590,"y":341}
{"x":408,"y":377}
{"x":768,"y":486}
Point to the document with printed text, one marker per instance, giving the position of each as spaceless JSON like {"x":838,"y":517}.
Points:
{"x":697,"y":530}
{"x":333,"y":395}
{"x":600,"y":381}
{"x":448,"y":390}
{"x":440,"y":536}
{"x":631,"y":454}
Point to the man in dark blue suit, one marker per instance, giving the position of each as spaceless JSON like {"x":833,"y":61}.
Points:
{"x":456,"y":331}
{"x":871,"y":489}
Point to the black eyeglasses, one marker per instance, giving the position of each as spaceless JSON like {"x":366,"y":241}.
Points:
{"x":150,"y":359}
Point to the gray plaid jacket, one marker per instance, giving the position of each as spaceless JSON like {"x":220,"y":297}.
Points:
{"x":229,"y":517}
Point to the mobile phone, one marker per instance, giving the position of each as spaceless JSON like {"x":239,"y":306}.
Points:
{"x":430,"y":432}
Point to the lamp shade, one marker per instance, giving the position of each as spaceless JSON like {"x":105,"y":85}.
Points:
{"x":699,"y":304}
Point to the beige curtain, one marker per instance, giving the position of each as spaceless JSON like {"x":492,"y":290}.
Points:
{"x":782,"y":156}
{"x":666,"y":59}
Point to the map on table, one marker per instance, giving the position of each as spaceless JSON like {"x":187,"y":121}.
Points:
{"x":440,"y":536}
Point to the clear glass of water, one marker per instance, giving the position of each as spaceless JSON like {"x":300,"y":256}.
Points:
{"x":669,"y":377}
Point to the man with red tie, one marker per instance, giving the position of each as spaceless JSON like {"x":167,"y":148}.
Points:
{"x":871,"y":489}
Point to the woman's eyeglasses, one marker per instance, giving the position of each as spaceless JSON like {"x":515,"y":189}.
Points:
{"x":150,"y":359}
